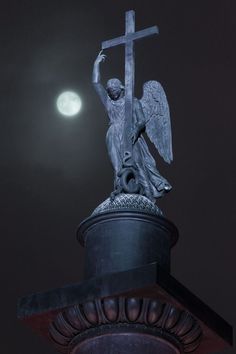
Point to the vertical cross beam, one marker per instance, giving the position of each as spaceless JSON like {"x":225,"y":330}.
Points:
{"x":129,"y":77}
{"x":128,"y":41}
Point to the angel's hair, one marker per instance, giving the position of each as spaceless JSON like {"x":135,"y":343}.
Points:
{"x":114,"y":83}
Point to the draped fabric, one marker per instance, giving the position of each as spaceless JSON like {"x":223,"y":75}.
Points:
{"x":153,"y":184}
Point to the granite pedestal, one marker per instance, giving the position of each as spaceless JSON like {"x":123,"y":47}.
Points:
{"x":128,"y":301}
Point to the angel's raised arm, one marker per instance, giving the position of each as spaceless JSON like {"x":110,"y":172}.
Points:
{"x":97,"y":77}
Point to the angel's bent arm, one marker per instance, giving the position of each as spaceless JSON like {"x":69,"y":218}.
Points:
{"x":140,"y":124}
{"x":96,"y":78}
{"x":140,"y":115}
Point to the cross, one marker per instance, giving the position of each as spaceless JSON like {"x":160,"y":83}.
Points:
{"x":128,"y":40}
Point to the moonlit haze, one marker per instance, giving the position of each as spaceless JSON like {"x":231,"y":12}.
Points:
{"x":69,"y":103}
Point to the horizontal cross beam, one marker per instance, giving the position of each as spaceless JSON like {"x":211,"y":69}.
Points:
{"x":130,"y":37}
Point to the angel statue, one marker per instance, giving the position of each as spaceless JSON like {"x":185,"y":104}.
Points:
{"x":150,"y":115}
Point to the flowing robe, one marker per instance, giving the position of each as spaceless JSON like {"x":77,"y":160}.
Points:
{"x":149,"y":177}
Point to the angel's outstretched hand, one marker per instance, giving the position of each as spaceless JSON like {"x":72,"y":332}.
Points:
{"x":101,"y":57}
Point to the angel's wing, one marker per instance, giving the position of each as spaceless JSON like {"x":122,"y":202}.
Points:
{"x":157,"y":115}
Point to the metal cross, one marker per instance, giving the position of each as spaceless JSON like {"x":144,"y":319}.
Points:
{"x":128,"y":40}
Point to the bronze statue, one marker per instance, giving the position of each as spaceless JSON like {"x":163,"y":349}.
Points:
{"x":135,"y":168}
{"x":151,"y":114}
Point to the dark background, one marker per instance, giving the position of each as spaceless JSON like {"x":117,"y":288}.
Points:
{"x":55,"y":171}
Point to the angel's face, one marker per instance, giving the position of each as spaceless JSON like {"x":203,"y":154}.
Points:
{"x":114,"y":92}
{"x":115,"y":89}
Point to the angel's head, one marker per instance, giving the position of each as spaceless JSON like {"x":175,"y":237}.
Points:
{"x":115,"y":89}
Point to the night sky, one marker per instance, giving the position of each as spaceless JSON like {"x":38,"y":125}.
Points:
{"x":55,"y":171}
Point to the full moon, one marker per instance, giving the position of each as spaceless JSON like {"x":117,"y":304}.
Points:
{"x":69,"y":103}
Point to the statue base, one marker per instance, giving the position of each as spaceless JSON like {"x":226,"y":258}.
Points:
{"x":119,"y":240}
{"x":128,"y":202}
{"x":128,"y":302}
{"x":145,"y":302}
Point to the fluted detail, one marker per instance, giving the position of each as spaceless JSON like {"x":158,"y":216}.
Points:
{"x":149,"y":312}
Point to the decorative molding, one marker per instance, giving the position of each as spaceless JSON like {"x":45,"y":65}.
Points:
{"x":128,"y":202}
{"x":131,"y":312}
